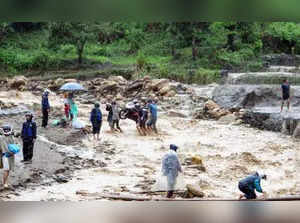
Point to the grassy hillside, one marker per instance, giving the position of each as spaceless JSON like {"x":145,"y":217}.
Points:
{"x":143,"y":51}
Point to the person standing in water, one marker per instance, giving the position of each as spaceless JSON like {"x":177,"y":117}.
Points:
{"x":96,"y":120}
{"x":285,"y":87}
{"x":151,"y":124}
{"x":116,"y":116}
{"x":170,"y":168}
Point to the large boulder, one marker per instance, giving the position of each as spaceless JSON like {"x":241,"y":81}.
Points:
{"x":195,"y":190}
{"x":165,"y":90}
{"x":55,"y":85}
{"x":250,"y":96}
{"x":18,"y":82}
{"x":264,"y":120}
{"x":158,"y":84}
{"x":214,"y":111}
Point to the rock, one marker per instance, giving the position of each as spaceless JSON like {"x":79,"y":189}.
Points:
{"x":238,"y":122}
{"x":108,"y":85}
{"x":173,"y":113}
{"x":171,"y":94}
{"x":135,"y":86}
{"x":163,"y":91}
{"x":119,"y":79}
{"x":55,"y":85}
{"x":213,"y":110}
{"x":158,"y":84}
{"x":18,"y":82}
{"x":228,"y":119}
{"x":196,"y":160}
{"x":195,"y":190}
{"x":211,"y":105}
{"x":119,"y":97}
{"x":264,"y":120}
{"x":199,"y":114}
{"x":61,"y":179}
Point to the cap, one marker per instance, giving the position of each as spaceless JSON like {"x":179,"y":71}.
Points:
{"x":173,"y":147}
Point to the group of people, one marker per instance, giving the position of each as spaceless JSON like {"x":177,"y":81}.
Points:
{"x":8,"y":138}
{"x":139,"y":113}
{"x":70,"y":108}
{"x":145,"y":116}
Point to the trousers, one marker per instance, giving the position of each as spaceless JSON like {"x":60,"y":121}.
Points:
{"x":28,"y":149}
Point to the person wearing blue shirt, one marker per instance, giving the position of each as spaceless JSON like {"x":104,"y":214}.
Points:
{"x":151,"y":124}
{"x":29,"y":135}
{"x":96,"y":120}
{"x":45,"y":108}
{"x":250,"y":184}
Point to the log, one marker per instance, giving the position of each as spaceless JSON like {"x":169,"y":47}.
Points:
{"x":158,"y":192}
{"x":113,"y":196}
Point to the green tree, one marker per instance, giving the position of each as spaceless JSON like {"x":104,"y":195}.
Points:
{"x":74,"y":33}
{"x":4,"y":29}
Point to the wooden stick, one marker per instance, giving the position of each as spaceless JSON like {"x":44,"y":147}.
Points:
{"x":113,"y":196}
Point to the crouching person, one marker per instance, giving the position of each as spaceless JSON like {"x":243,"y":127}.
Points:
{"x":7,"y":155}
{"x":250,"y":184}
{"x":170,"y":168}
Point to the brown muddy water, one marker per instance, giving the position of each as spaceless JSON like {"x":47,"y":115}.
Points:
{"x":133,"y":163}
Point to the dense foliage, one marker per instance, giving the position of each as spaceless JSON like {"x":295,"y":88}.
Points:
{"x":186,"y":51}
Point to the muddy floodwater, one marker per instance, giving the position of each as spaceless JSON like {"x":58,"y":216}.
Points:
{"x":133,"y":163}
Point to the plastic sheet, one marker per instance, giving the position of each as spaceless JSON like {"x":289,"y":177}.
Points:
{"x":162,"y":184}
{"x":76,"y":124}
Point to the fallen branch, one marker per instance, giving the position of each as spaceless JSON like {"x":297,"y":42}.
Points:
{"x":113,"y":196}
{"x":158,"y":192}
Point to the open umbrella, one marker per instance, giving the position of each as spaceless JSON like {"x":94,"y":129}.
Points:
{"x":72,"y":87}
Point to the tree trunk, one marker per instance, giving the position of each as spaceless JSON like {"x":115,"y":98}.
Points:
{"x":173,"y":51}
{"x":194,"y":50}
{"x":80,"y":48}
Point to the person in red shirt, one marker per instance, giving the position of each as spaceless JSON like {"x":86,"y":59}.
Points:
{"x":67,"y":110}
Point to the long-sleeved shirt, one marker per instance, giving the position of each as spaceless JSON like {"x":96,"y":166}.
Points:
{"x":153,"y":110}
{"x":96,"y":116}
{"x":29,"y":130}
{"x":45,"y":102}
{"x":253,"y":182}
{"x":115,"y":111}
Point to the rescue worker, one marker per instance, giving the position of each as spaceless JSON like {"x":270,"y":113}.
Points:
{"x":6,"y":156}
{"x":45,"y":108}
{"x":170,"y":168}
{"x":250,"y":184}
{"x":96,"y":120}
{"x":29,"y":135}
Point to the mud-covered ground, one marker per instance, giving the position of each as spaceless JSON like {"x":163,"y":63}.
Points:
{"x":66,"y":162}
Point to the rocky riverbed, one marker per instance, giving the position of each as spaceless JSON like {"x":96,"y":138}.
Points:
{"x":216,"y":148}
